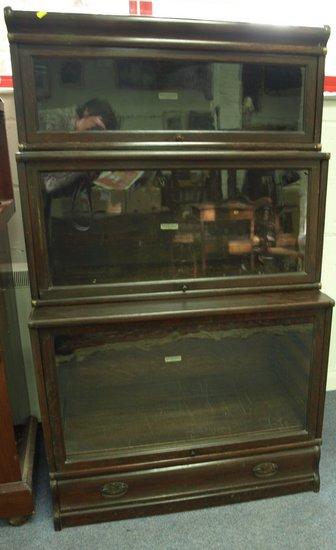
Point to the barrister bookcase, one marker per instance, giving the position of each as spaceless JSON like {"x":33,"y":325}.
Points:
{"x":173,"y":191}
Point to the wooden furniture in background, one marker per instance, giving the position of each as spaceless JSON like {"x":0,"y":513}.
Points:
{"x":230,"y":212}
{"x":17,"y":445}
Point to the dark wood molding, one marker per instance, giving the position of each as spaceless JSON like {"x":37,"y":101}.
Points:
{"x":153,"y":155}
{"x":167,"y":146}
{"x":71,"y":315}
{"x":26,"y":27}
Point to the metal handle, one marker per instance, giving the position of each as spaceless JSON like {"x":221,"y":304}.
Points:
{"x":265,"y":469}
{"x":114,"y":489}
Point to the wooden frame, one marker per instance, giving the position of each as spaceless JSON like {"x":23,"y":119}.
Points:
{"x":179,"y":140}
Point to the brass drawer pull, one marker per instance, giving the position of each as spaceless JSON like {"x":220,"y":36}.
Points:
{"x":114,"y":489}
{"x":265,"y":469}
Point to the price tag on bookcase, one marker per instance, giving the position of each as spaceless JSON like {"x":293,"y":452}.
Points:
{"x":169,"y":226}
{"x":173,"y":358}
{"x":168,"y":96}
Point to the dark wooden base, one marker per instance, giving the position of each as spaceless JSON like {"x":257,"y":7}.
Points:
{"x":16,"y":498}
{"x":84,"y":500}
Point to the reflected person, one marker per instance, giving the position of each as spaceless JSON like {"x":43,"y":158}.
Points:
{"x":95,"y":114}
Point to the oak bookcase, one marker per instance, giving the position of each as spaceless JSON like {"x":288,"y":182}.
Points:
{"x":173,"y":192}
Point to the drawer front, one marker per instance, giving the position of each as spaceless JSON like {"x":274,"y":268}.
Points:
{"x":169,"y":484}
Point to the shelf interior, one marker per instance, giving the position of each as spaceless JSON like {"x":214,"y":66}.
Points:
{"x":182,"y":387}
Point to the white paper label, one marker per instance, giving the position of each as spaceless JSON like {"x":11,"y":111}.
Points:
{"x":168,"y":95}
{"x":169,"y":226}
{"x":173,"y":358}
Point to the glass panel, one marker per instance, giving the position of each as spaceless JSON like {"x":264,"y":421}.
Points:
{"x":77,"y":94}
{"x":117,"y":226}
{"x":181,"y":382}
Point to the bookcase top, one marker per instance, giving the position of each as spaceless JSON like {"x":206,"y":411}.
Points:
{"x":69,"y":28}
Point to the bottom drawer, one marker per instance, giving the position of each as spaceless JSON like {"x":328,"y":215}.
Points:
{"x":183,"y":487}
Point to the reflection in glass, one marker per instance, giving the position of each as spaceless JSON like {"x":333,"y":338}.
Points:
{"x":149,"y":95}
{"x":113,"y":226}
{"x":135,"y":387}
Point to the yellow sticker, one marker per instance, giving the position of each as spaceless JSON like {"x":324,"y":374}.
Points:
{"x":41,"y":14}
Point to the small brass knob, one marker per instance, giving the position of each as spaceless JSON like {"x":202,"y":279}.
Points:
{"x":114,"y":489}
{"x":179,"y":137}
{"x":265,"y":469}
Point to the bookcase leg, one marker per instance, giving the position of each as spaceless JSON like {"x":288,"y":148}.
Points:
{"x":17,"y":521}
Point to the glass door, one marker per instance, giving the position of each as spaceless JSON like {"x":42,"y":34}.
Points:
{"x":128,"y":95}
{"x":76,"y":94}
{"x":181,"y":384}
{"x":107,"y":226}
